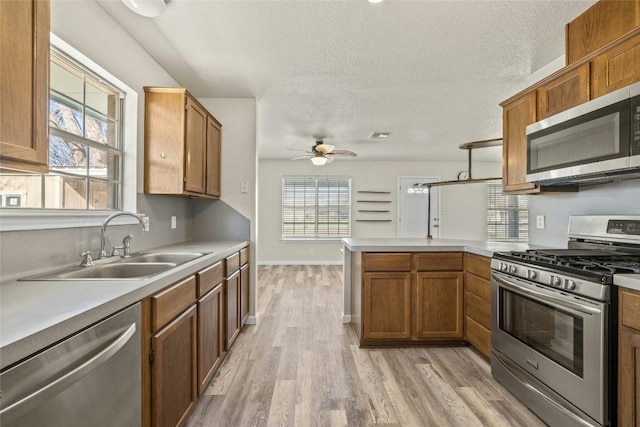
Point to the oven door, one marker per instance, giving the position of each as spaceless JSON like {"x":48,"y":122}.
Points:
{"x":557,"y":338}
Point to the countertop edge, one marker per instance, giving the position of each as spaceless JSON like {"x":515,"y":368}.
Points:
{"x":21,"y":346}
{"x":629,"y":281}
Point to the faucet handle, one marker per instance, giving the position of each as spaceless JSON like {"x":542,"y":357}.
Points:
{"x":87,"y":260}
{"x":115,"y":252}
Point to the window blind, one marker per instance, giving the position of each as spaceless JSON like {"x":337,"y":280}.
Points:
{"x":316,"y":207}
{"x":507,"y":214}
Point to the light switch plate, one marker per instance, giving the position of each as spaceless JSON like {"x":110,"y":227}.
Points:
{"x":173,"y":222}
{"x":145,"y":221}
{"x":540,"y":221}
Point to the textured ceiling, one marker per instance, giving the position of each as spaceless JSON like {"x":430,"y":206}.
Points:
{"x":430,"y":72}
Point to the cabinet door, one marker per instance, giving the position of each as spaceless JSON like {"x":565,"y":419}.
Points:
{"x":629,"y":377}
{"x":439,"y":305}
{"x":516,"y":116}
{"x":244,"y":294}
{"x":173,"y":372}
{"x":195,"y":148}
{"x":24,"y":85}
{"x":563,"y":92}
{"x":386,"y":306}
{"x":214,"y":146}
{"x":210,"y":333}
{"x":616,"y":68}
{"x":232,"y":308}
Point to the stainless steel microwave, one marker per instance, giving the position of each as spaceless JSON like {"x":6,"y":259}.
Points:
{"x":594,"y":142}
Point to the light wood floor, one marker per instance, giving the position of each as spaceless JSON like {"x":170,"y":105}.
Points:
{"x":300,"y":366}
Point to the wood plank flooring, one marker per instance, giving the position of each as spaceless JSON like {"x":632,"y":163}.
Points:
{"x":300,"y":366}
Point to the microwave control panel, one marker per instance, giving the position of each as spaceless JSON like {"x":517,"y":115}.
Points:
{"x":635,"y":125}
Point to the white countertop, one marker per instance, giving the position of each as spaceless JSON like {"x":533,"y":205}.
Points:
{"x":35,"y":314}
{"x":631,"y":281}
{"x":478,"y":247}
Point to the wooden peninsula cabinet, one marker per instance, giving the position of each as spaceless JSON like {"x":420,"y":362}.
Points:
{"x":182,"y":142}
{"x":410,"y":298}
{"x":24,"y":85}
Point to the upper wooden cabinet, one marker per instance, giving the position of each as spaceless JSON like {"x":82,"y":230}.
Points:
{"x":24,"y":85}
{"x":517,"y":114}
{"x":600,"y":25}
{"x":616,"y":68}
{"x":563,"y":92}
{"x":182,"y":145}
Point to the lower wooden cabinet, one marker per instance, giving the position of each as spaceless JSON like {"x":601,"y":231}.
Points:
{"x":232,"y":291}
{"x":439,"y":305}
{"x":386,"y":306}
{"x":244,"y":294}
{"x":629,"y":358}
{"x":210,"y":335}
{"x":478,"y":302}
{"x":173,"y":371}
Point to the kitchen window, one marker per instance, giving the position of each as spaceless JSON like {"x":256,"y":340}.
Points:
{"x":316,"y":207}
{"x":92,"y":154}
{"x":507,"y":215}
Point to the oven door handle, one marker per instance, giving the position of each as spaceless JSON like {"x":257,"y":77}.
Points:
{"x":543,"y":297}
{"x":533,"y":389}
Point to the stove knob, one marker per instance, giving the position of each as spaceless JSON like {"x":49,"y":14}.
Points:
{"x":513,"y":269}
{"x":531,"y":274}
{"x":504,"y":267}
{"x":555,"y":280}
{"x":569,"y":284}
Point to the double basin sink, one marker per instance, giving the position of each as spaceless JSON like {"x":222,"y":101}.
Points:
{"x":140,"y":266}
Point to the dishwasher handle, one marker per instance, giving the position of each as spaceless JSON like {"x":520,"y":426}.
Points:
{"x":33,"y":400}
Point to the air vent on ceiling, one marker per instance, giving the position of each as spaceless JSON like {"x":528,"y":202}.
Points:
{"x":379,"y":135}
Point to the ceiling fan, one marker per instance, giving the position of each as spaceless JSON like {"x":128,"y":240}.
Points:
{"x":322,"y":153}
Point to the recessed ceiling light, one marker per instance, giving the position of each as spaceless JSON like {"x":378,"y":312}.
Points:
{"x":375,"y":1}
{"x":379,"y":135}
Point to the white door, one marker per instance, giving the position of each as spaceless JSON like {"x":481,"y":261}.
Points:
{"x":413,"y":204}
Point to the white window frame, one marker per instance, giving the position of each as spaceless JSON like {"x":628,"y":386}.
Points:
{"x":38,"y":219}
{"x":308,"y":238}
{"x":518,"y":210}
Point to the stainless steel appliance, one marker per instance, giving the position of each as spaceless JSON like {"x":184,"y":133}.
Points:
{"x":90,"y":379}
{"x":554,"y":321}
{"x":597,"y":141}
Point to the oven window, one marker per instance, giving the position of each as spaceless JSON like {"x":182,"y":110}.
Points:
{"x":547,"y":329}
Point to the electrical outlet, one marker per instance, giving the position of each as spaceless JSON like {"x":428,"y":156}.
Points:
{"x":145,"y":221}
{"x":173,"y":222}
{"x":540,"y":221}
{"x":244,"y":188}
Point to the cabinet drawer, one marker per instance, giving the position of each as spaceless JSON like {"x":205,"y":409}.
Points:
{"x":244,"y":256}
{"x":630,"y":308}
{"x":209,"y":278}
{"x":478,"y":336}
{"x":478,"y":309}
{"x":478,"y":265}
{"x":478,"y":286}
{"x":172,"y":301}
{"x":387,"y":262}
{"x":233,"y":263}
{"x":439,"y":261}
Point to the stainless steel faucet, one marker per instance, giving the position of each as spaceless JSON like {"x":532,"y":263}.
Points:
{"x":103,"y":253}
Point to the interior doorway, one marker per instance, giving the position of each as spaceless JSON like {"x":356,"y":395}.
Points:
{"x":413,"y":204}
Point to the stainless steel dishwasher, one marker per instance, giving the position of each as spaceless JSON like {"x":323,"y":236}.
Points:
{"x":92,"y":378}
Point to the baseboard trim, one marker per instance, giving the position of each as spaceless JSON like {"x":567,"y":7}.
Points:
{"x":251,"y":320}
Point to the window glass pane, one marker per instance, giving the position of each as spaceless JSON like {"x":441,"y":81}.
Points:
{"x":66,"y":80}
{"x":101,"y":98}
{"x":68,"y":156}
{"x":66,"y":116}
{"x":101,"y":129}
{"x":103,"y":164}
{"x":28,"y":186}
{"x":507,"y":215}
{"x":101,"y":195}
{"x":65,"y":192}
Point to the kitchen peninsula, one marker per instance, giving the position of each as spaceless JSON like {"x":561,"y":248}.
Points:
{"x":412,"y":291}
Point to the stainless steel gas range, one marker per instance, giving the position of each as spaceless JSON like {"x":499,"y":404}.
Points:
{"x":554,"y":321}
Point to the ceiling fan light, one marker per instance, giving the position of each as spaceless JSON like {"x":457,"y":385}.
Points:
{"x":324,"y":148}
{"x":147,"y":8}
{"x":319,"y":160}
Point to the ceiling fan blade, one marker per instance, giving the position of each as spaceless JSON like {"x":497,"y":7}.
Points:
{"x":330,"y":159}
{"x":302,"y":157}
{"x":343,"y":153}
{"x":298,"y":149}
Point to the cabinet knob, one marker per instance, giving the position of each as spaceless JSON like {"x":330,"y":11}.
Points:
{"x":163,"y":155}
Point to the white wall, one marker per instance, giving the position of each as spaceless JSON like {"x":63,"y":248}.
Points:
{"x":604,"y":199}
{"x":463,"y":207}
